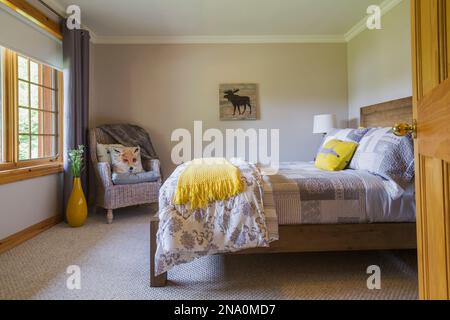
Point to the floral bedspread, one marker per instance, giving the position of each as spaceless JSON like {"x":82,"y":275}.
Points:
{"x":235,"y":224}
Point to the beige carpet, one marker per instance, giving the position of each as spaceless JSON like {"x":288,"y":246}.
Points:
{"x":114,"y":262}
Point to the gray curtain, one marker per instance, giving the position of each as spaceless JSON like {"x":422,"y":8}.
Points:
{"x":76,"y":100}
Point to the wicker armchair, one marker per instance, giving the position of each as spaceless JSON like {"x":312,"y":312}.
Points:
{"x":110,"y":196}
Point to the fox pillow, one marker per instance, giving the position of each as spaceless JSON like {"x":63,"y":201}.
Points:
{"x":126,"y":160}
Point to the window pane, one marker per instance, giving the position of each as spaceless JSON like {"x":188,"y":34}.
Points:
{"x":24,"y":120}
{"x":49,"y":100}
{"x":35,"y":154}
{"x":43,"y":147}
{"x":50,"y":146}
{"x":24,"y":147}
{"x":38,"y":113}
{"x":50,"y":124}
{"x":23,"y":68}
{"x":48,"y":77}
{"x":35,"y":96}
{"x":34,"y":72}
{"x":23,"y":94}
{"x":35,"y":122}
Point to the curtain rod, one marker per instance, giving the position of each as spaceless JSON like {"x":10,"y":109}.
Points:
{"x":51,"y":9}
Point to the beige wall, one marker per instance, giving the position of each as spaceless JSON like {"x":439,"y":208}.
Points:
{"x":379,"y":62}
{"x":28,"y":202}
{"x":164,"y":87}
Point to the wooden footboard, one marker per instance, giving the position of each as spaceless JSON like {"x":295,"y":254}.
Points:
{"x":155,"y":281}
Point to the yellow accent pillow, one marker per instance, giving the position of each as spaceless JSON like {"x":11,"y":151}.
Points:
{"x":335,"y":155}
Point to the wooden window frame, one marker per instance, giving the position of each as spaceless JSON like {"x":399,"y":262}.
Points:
{"x":12,"y":169}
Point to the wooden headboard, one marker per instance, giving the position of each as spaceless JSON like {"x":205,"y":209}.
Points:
{"x":387,"y":114}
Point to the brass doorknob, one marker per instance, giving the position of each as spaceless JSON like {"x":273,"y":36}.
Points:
{"x":402,"y":129}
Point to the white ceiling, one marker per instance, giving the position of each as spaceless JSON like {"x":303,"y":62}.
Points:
{"x":219,"y":18}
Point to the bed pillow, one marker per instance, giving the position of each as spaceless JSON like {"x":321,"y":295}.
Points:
{"x":132,"y":178}
{"x":335,"y":155}
{"x":351,"y":135}
{"x":383,"y":153}
{"x":126,"y":159}
{"x":103,"y":153}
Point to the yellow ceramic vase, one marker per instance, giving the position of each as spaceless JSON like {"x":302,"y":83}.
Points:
{"x":77,"y":210}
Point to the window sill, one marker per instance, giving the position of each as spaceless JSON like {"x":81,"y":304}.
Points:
{"x":19,"y":174}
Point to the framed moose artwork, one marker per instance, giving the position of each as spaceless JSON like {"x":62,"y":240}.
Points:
{"x":238,"y":101}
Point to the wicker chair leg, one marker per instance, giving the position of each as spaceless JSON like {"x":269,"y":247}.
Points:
{"x":110,"y":216}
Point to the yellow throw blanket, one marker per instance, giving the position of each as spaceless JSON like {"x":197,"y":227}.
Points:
{"x":208,"y":180}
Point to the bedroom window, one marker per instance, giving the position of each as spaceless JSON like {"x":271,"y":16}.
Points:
{"x":31,"y":118}
{"x":37,"y":110}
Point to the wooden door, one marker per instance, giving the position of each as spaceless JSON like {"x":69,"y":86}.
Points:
{"x":431,"y":58}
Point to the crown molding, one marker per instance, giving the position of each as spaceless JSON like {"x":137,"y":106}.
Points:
{"x":385,"y":6}
{"x":219,"y":39}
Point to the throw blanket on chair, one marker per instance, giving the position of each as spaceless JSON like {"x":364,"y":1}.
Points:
{"x":240,"y":222}
{"x":208,"y":180}
{"x":131,"y":136}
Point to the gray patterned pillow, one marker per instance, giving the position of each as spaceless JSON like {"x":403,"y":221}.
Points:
{"x":383,"y":153}
{"x":349,"y":135}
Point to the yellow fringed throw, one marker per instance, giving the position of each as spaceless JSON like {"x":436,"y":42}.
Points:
{"x":207,"y":180}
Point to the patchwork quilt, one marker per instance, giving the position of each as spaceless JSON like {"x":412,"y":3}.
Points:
{"x":303,"y":194}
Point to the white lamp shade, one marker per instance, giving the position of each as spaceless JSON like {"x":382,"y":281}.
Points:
{"x":324,"y":123}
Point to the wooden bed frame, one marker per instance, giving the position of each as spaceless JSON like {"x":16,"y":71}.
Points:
{"x":336,"y":237}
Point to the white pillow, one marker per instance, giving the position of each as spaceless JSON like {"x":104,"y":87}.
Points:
{"x":103,"y":153}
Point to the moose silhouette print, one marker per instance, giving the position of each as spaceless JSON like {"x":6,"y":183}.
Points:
{"x":238,"y":101}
